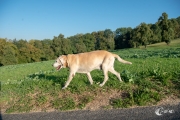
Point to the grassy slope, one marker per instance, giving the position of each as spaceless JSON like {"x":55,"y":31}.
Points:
{"x":153,"y":75}
{"x":18,"y":72}
{"x":174,"y":43}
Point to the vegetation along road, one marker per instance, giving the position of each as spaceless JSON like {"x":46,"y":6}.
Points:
{"x":152,"y":79}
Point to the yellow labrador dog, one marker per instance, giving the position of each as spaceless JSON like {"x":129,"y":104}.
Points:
{"x":86,"y":62}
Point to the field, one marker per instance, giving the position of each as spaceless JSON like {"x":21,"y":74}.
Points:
{"x":153,"y":77}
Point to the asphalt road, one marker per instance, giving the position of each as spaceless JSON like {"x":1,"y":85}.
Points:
{"x":141,"y":113}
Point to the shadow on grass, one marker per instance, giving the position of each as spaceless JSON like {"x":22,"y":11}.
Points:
{"x":56,"y":79}
{"x":62,"y":78}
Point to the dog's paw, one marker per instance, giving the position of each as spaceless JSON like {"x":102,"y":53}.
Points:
{"x":64,"y":88}
{"x":101,"y":85}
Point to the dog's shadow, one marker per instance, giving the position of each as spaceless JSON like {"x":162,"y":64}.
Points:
{"x":60,"y":77}
{"x":55,"y":78}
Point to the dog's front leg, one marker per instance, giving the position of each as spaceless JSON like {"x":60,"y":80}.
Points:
{"x":90,"y":78}
{"x":71,"y":75}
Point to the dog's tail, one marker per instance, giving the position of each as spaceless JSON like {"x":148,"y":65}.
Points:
{"x":121,"y":60}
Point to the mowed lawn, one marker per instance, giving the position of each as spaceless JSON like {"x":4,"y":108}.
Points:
{"x":153,"y":76}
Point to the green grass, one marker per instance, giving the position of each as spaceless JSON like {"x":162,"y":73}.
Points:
{"x":174,"y":43}
{"x":17,"y":72}
{"x":154,"y":74}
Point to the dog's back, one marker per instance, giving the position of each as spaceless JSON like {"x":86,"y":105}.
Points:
{"x":86,"y":62}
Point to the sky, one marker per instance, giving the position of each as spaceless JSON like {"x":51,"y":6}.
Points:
{"x":44,"y":19}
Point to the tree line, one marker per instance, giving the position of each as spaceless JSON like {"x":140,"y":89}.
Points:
{"x":22,"y":51}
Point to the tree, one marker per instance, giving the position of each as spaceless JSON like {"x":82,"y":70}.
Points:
{"x":36,"y":43}
{"x":29,"y":54}
{"x":146,"y":34}
{"x":56,"y":45}
{"x":61,"y":45}
{"x":122,"y":37}
{"x":104,"y":40}
{"x":167,"y":32}
{"x":156,"y":37}
{"x":2,"y":45}
{"x":178,"y":20}
{"x":109,"y":38}
{"x":48,"y":52}
{"x":77,"y":43}
{"x":20,"y":43}
{"x":176,"y":28}
{"x":135,"y":40}
{"x":89,"y":41}
{"x":66,"y":46}
{"x":142,"y":35}
{"x":8,"y":53}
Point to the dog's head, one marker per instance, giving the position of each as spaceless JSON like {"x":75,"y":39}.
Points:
{"x":61,"y":62}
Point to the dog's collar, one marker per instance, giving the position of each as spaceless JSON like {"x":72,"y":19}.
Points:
{"x":66,"y":64}
{"x":60,"y":62}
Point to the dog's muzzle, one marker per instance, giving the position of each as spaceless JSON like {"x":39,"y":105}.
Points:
{"x":58,"y":68}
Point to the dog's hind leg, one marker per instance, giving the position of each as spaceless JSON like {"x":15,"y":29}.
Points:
{"x":115,"y":73}
{"x":90,"y":78}
{"x":105,"y":77}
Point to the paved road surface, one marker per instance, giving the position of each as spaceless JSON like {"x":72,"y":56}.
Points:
{"x":141,"y":113}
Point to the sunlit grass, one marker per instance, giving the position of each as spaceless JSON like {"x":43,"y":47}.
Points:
{"x":154,"y":74}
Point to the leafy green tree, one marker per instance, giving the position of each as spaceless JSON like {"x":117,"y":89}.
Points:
{"x":20,"y":43}
{"x":142,"y":35}
{"x":36,"y":43}
{"x":135,"y":40}
{"x":178,"y":20}
{"x":156,"y":37}
{"x":97,"y":43}
{"x":73,"y":41}
{"x":100,"y":44}
{"x":8,"y":53}
{"x":167,"y":32}
{"x":146,"y":34}
{"x":66,"y":46}
{"x":104,"y":40}
{"x":2,"y":45}
{"x":78,"y":45}
{"x":89,"y":41}
{"x":48,"y":52}
{"x":109,"y":39}
{"x":122,"y":37}
{"x":27,"y":51}
{"x":176,"y":28}
{"x":61,"y":45}
{"x":56,"y":45}
{"x":29,"y":54}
